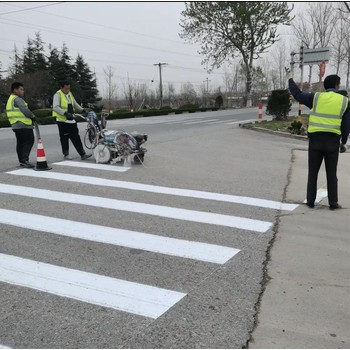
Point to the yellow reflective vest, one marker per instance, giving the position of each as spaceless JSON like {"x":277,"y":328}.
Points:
{"x":14,"y":114}
{"x":63,"y":105}
{"x":327,"y":112}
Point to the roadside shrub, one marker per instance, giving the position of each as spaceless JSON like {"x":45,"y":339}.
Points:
{"x":189,"y":106}
{"x":296,"y":128}
{"x":165,"y":107}
{"x":278,"y":104}
{"x":219,"y":101}
{"x":4,"y":122}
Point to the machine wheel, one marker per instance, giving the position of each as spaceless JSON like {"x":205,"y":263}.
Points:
{"x":102,"y":154}
{"x":139,"y":158}
{"x":90,"y":137}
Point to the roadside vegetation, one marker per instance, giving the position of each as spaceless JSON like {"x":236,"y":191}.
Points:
{"x":292,"y":124}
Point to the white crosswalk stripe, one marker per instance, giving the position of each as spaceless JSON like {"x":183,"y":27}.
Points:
{"x":108,"y":167}
{"x":155,"y":189}
{"x":88,"y":287}
{"x":142,"y":208}
{"x":131,"y":239}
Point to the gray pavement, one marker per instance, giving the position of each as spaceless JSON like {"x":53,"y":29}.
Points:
{"x":306,"y":303}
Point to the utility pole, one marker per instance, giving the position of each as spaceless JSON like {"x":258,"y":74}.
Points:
{"x":301,"y":65}
{"x":160,"y":81}
{"x":207,"y":80}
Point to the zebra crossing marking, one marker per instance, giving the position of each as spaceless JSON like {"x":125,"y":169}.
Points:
{"x":88,"y":287}
{"x":117,"y":168}
{"x":140,"y":208}
{"x":131,"y":239}
{"x":201,"y":121}
{"x":157,"y":189}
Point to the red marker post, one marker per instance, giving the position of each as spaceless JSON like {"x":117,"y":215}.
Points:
{"x":260,"y":107}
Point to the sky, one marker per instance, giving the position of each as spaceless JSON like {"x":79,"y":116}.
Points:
{"x":128,"y":36}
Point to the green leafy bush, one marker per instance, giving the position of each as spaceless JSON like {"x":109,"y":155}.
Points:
{"x":4,"y":122}
{"x":296,"y":127}
{"x":189,"y":106}
{"x":278,"y":104}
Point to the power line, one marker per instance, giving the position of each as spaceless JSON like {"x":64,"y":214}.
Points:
{"x":102,"y":25}
{"x":31,"y":8}
{"x":99,"y":39}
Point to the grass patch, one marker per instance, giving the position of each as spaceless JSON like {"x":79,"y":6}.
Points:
{"x":282,"y":125}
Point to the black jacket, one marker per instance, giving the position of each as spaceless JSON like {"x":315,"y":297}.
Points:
{"x":307,"y":98}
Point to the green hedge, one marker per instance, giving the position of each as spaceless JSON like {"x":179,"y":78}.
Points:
{"x":44,"y":116}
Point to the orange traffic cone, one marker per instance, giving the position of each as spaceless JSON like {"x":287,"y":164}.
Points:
{"x":41,"y":163}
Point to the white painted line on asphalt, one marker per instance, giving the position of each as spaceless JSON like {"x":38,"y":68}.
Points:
{"x":91,"y":180}
{"x":88,"y":287}
{"x":111,"y":167}
{"x":321,"y":194}
{"x":140,"y":208}
{"x":201,"y":121}
{"x":3,"y":346}
{"x":249,"y":120}
{"x":125,"y":238}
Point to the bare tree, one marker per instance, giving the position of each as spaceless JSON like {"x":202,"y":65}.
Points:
{"x":341,"y":31}
{"x":280,"y":59}
{"x":111,"y":86}
{"x":315,"y":27}
{"x":188,"y":93}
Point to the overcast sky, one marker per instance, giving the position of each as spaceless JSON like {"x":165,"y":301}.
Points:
{"x":129,"y":36}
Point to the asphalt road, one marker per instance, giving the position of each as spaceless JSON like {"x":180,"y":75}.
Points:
{"x":166,"y":255}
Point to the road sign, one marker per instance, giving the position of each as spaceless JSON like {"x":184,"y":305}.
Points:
{"x":322,"y":68}
{"x":316,"y":56}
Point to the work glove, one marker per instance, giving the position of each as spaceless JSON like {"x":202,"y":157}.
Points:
{"x":69,"y":116}
{"x":343,"y":148}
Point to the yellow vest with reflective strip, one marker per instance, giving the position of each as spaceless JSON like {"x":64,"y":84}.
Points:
{"x":327,"y":112}
{"x":14,"y":114}
{"x":63,"y":105}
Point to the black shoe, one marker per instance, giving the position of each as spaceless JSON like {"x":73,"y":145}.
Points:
{"x":310,"y":204}
{"x":85,"y":156}
{"x":335,"y":206}
{"x":27,"y":165}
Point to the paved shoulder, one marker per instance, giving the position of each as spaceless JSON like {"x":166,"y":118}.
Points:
{"x":306,"y":303}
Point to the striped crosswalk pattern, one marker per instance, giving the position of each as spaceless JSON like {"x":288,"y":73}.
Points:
{"x":92,"y":288}
{"x":127,"y":296}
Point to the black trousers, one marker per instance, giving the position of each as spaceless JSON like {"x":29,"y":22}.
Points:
{"x":323,"y":145}
{"x":25,"y":142}
{"x":70,"y":131}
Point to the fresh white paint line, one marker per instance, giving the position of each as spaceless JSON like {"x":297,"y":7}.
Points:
{"x":321,"y":194}
{"x":250,"y":120}
{"x":118,"y":168}
{"x":140,"y":208}
{"x":88,"y":287}
{"x":90,"y":180}
{"x":131,"y":239}
{"x":3,"y":346}
{"x":201,"y":121}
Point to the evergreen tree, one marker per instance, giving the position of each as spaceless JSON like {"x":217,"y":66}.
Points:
{"x":86,"y":91}
{"x":16,"y":68}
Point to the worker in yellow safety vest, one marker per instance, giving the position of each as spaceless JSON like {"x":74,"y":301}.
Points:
{"x":63,"y":108}
{"x":328,"y":130}
{"x":21,"y":120}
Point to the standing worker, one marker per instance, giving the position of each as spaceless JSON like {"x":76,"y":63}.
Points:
{"x":329,"y":123}
{"x":64,"y":106}
{"x":21,"y":120}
